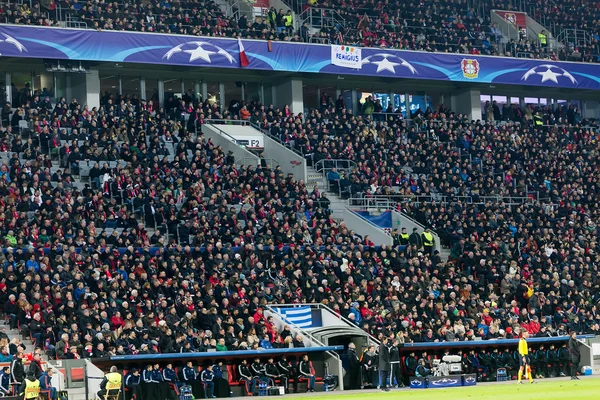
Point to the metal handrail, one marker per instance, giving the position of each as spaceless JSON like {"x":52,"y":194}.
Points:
{"x":328,"y":309}
{"x":216,"y":122}
{"x":301,"y":330}
{"x":337,"y":162}
{"x":438,"y":198}
{"x":278,"y":140}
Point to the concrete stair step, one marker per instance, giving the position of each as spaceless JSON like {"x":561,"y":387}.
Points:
{"x":79,"y":394}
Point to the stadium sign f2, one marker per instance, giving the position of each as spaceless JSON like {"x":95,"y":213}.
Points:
{"x":346,"y":56}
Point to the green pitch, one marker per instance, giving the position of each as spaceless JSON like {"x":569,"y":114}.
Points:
{"x":585,"y":389}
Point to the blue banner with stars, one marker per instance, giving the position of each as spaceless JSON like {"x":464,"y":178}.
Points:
{"x":195,"y":51}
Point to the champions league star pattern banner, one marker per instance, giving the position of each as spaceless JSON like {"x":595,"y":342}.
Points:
{"x":112,"y":46}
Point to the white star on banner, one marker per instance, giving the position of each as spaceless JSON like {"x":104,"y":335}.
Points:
{"x":385,"y":64}
{"x":199,"y":53}
{"x":549,"y":75}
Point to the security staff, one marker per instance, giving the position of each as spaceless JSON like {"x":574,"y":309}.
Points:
{"x":111,"y":384}
{"x":404,"y":237}
{"x":428,"y":241}
{"x":542,"y":38}
{"x":289,"y":21}
{"x":30,"y":388}
{"x":538,"y":121}
{"x":272,"y":372}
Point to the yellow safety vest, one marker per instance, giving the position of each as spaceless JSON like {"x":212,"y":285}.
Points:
{"x":288,"y":20}
{"x":542,"y":38}
{"x":32,"y":389}
{"x":428,"y":239}
{"x":114,"y":381}
{"x":404,"y":236}
{"x":537,"y":120}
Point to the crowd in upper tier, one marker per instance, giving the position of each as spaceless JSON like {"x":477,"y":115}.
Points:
{"x":124,"y":231}
{"x":444,"y":26}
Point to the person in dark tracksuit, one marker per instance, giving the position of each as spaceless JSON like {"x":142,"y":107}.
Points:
{"x":287,"y":369}
{"x":245,"y":375}
{"x":574,"y":354}
{"x":354,"y":379}
{"x":207,"y":377}
{"x":384,"y":363}
{"x":272,"y":372}
{"x":370,"y":364}
{"x":395,"y":366}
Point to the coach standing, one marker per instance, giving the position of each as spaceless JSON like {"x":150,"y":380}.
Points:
{"x":575,"y":355}
{"x":354,"y":379}
{"x":384,"y":363}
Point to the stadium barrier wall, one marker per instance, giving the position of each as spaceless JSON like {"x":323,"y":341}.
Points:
{"x":229,"y":143}
{"x":364,"y":227}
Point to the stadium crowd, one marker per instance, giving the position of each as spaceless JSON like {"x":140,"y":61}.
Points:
{"x":177,"y":248}
{"x":444,"y":26}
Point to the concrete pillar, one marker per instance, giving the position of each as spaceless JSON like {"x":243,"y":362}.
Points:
{"x":290,"y":93}
{"x":222,"y":99}
{"x":69,"y":91}
{"x":161,"y":93}
{"x":355,"y":104}
{"x":467,"y":102}
{"x":407,"y":104}
{"x":93,"y":89}
{"x":197,"y":92}
{"x":142,"y":88}
{"x":204,"y":91}
{"x":8,"y":86}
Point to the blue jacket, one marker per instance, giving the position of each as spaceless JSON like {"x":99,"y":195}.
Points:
{"x":132,"y":380}
{"x":157,"y":375}
{"x":148,"y":376}
{"x":217,"y":371}
{"x":207,"y":376}
{"x":45,"y":381}
{"x":189,"y":374}
{"x":169,"y":375}
{"x":5,"y":382}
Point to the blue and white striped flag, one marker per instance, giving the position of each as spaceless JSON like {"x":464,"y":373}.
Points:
{"x":299,"y":316}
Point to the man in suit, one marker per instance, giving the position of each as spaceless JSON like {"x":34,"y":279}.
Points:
{"x":384,"y":363}
{"x":574,"y":354}
{"x":354,"y":379}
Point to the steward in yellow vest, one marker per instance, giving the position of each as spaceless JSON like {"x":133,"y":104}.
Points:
{"x":30,"y":389}
{"x":111,"y":384}
{"x":428,"y":241}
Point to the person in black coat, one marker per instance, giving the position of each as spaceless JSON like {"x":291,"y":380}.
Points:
{"x":395,"y":366}
{"x":354,"y":379}
{"x":574,"y":354}
{"x":369,"y":364}
{"x":384,"y":363}
{"x":17,"y":370}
